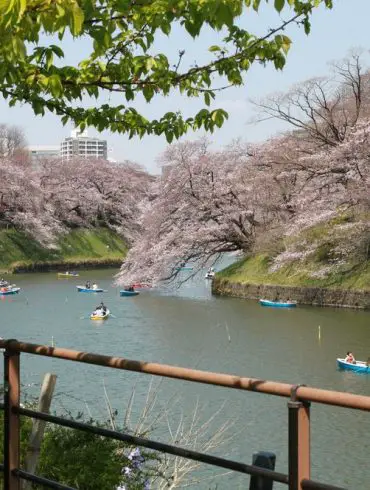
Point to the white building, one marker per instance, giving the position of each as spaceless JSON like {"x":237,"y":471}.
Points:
{"x":79,"y":144}
{"x":43,"y":151}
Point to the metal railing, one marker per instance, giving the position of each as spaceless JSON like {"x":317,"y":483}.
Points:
{"x":300,"y":398}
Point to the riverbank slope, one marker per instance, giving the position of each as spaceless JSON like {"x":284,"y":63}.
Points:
{"x":252,"y":278}
{"x":78,"y":249}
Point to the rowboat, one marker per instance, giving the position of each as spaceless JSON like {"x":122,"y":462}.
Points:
{"x":68,"y":274}
{"x":185,"y":268}
{"x":100,"y":316}
{"x":141,"y":285}
{"x":359,"y":367}
{"x":278,"y":304}
{"x":5,"y":292}
{"x":82,"y":289}
{"x":124,"y":292}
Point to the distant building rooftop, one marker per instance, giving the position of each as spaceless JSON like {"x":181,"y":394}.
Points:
{"x":43,"y":151}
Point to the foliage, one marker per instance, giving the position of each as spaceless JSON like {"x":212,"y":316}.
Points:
{"x":79,"y":246}
{"x":122,"y":37}
{"x":80,"y":459}
{"x":26,"y":425}
{"x":257,"y":270}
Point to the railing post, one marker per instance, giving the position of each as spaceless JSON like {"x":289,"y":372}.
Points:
{"x":299,"y":441}
{"x":263,"y":459}
{"x":11,"y":419}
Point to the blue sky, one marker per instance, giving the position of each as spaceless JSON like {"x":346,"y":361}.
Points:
{"x":333,"y":34}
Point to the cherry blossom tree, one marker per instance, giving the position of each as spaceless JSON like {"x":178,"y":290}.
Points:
{"x":253,"y":197}
{"x":62,"y":194}
{"x":22,"y":202}
{"x":206,"y":204}
{"x":88,"y":192}
{"x":331,"y":194}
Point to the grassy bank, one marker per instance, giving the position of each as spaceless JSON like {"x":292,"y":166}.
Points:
{"x":256,"y":270}
{"x":79,"y":247}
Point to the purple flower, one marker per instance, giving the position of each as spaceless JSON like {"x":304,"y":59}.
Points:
{"x":136,"y":458}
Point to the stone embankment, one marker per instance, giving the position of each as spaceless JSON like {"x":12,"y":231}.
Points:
{"x":315,"y":296}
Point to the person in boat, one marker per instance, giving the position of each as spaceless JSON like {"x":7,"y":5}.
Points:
{"x":350,"y":358}
{"x":101,"y":308}
{"x":88,"y":285}
{"x":94,"y":286}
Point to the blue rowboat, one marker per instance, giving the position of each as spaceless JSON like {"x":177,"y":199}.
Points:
{"x":359,"y":367}
{"x":10,"y":291}
{"x":185,"y":268}
{"x":124,"y":292}
{"x":278,"y":304}
{"x":82,"y":289}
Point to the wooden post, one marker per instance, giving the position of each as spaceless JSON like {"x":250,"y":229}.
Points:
{"x":11,"y":419}
{"x":38,"y":426}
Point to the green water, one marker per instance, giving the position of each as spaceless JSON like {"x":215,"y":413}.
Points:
{"x":188,"y":327}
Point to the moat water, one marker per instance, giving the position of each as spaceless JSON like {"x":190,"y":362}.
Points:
{"x":189,"y":327}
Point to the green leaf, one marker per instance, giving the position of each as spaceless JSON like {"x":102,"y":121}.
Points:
{"x":77,"y":19}
{"x":149,"y":63}
{"x":224,"y":15}
{"x":57,"y":50}
{"x":207,"y":98}
{"x":256,"y":4}
{"x":214,"y":48}
{"x":22,"y":6}
{"x":38,"y":107}
{"x":306,"y":25}
{"x":49,"y":59}
{"x":169,"y":136}
{"x":286,"y":43}
{"x":279,"y":5}
{"x":55,"y":85}
{"x":166,"y":28}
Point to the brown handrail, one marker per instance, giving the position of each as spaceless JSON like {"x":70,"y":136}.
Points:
{"x":303,"y":393}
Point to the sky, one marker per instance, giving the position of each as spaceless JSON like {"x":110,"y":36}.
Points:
{"x":333,"y":34}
